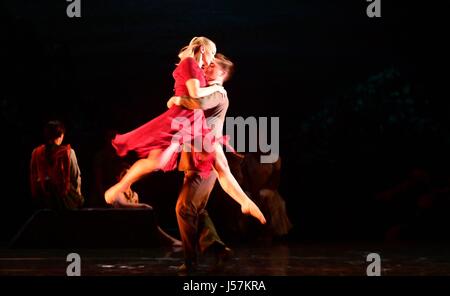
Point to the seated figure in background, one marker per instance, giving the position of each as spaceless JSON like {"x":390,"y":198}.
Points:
{"x":55,"y":177}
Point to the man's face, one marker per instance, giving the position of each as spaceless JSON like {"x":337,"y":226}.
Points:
{"x":213,"y":72}
{"x":58,"y":141}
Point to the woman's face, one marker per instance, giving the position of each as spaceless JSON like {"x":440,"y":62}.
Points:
{"x":208,"y":57}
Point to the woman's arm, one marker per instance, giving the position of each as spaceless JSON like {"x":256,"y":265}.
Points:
{"x":195,"y":91}
{"x":186,"y":102}
{"x":203,"y":103}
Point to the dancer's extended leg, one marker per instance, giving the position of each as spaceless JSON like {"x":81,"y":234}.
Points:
{"x":156,"y":160}
{"x":232,"y":187}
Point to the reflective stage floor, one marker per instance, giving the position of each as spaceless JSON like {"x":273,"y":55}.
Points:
{"x":275,"y":259}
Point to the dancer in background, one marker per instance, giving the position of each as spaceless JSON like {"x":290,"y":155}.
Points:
{"x":54,"y":173}
{"x":130,"y":199}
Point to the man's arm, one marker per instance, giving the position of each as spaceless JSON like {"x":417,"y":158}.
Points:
{"x":75,"y":174}
{"x":203,"y":103}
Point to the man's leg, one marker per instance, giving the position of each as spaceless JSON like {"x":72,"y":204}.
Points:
{"x":207,"y":232}
{"x":187,"y":218}
{"x":199,"y":192}
{"x":196,"y":229}
{"x":208,"y":237}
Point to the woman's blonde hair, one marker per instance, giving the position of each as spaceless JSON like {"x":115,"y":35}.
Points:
{"x":194,"y":46}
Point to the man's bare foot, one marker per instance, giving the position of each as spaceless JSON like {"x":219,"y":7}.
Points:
{"x":250,"y":208}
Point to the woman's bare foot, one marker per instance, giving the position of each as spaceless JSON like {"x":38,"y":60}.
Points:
{"x":112,"y":193}
{"x":250,"y":208}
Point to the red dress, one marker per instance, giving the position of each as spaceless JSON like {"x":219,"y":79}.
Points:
{"x":163,"y":130}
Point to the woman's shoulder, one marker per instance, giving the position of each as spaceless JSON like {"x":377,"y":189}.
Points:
{"x":189,"y":68}
{"x":188,"y":62}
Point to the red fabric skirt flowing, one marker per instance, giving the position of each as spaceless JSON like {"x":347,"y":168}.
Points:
{"x":176,"y":125}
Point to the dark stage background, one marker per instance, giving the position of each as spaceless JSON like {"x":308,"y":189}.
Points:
{"x":364,"y":131}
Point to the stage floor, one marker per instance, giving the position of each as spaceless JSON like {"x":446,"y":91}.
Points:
{"x":275,"y":259}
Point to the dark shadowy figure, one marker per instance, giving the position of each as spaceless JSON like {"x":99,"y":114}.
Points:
{"x":130,"y":199}
{"x":260,"y":181}
{"x":107,"y":166}
{"x":417,"y":206}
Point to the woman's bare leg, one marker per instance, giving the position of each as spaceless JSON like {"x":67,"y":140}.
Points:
{"x":232,"y":187}
{"x":156,"y":160}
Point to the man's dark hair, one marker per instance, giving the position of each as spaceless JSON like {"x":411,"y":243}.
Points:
{"x":53,"y":130}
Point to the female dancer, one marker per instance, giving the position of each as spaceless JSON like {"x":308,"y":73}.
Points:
{"x":154,"y":141}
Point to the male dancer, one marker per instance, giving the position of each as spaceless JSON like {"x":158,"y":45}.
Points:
{"x":196,"y":228}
